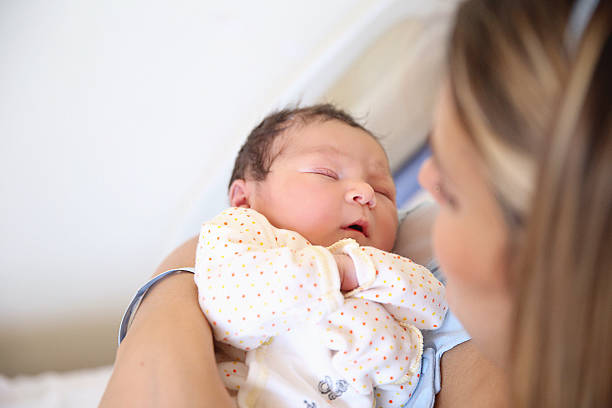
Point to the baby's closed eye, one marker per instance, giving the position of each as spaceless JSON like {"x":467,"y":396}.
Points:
{"x":385,"y":191}
{"x":324,"y":172}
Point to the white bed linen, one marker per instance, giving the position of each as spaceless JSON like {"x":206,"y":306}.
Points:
{"x":74,"y":389}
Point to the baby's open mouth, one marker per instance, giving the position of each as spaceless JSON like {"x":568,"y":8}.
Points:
{"x":356,"y":227}
{"x":359,"y":226}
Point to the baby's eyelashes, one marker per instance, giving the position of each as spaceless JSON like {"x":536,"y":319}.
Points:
{"x":385,"y":193}
{"x":325,"y":172}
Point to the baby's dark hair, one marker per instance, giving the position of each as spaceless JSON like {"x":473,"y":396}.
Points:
{"x":255,"y":158}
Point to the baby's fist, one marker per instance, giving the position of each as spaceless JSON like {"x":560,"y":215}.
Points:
{"x":346,"y":270}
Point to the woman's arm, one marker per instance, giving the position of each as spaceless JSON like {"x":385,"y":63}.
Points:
{"x":167,"y":357}
{"x":470,"y":381}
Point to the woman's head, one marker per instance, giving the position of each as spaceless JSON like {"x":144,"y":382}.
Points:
{"x":523,"y":135}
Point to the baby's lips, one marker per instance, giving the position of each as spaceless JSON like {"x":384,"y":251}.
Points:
{"x":360,"y":225}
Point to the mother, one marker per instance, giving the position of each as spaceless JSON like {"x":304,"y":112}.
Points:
{"x":521,"y":169}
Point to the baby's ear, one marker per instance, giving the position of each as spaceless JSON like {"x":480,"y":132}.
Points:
{"x":239,"y":194}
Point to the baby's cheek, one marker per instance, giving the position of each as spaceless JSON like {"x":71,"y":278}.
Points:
{"x":386,"y":225}
{"x":389,"y":237}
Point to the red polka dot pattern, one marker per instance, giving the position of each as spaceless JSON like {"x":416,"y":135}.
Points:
{"x":256,"y":282}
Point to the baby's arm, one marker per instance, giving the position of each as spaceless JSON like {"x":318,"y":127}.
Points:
{"x":372,"y":348}
{"x":256,"y":281}
{"x":409,"y":291}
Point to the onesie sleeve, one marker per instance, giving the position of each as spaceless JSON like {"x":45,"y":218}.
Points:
{"x":409,"y":291}
{"x":256,"y":281}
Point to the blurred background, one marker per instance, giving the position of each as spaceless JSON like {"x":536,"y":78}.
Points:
{"x":120,"y":120}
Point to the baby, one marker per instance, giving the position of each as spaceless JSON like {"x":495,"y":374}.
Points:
{"x":307,"y":306}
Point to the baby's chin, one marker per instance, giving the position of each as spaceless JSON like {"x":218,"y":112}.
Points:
{"x":333,"y":238}
{"x":382,"y":243}
{"x":372,"y":241}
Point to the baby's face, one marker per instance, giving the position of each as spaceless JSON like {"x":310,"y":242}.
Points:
{"x":330,"y":181}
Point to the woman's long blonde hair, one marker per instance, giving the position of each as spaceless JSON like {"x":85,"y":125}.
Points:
{"x":539,"y":113}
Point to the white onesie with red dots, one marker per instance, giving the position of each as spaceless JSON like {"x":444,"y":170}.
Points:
{"x":271,"y":293}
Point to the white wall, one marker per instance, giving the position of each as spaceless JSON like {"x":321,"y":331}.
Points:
{"x":118,"y":119}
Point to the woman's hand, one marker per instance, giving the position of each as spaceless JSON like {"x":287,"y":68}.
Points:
{"x":167,"y":357}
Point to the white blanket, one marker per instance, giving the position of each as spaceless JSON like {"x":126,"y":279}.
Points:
{"x":74,"y":389}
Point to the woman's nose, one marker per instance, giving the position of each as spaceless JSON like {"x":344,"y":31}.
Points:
{"x":361,"y":193}
{"x":427,"y":175}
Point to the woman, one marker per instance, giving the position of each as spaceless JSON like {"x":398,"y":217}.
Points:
{"x":521,"y":169}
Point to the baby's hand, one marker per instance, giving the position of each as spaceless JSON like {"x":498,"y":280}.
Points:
{"x":346,"y":269}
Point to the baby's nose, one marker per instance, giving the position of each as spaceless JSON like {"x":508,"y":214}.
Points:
{"x":362,"y":193}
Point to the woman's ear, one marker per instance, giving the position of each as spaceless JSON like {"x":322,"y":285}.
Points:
{"x":239,"y":194}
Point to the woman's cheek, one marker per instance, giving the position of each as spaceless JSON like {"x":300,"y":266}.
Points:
{"x":449,"y":248}
{"x":459,"y":250}
{"x":446,"y":245}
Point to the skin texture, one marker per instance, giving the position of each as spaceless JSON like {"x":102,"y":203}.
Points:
{"x":471,"y":380}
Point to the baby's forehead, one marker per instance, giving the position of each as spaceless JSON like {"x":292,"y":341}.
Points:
{"x":295,"y":142}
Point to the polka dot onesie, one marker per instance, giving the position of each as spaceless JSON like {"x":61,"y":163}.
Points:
{"x":269,"y":292}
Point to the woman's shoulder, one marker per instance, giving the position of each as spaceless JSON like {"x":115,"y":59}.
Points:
{"x":470,"y":380}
